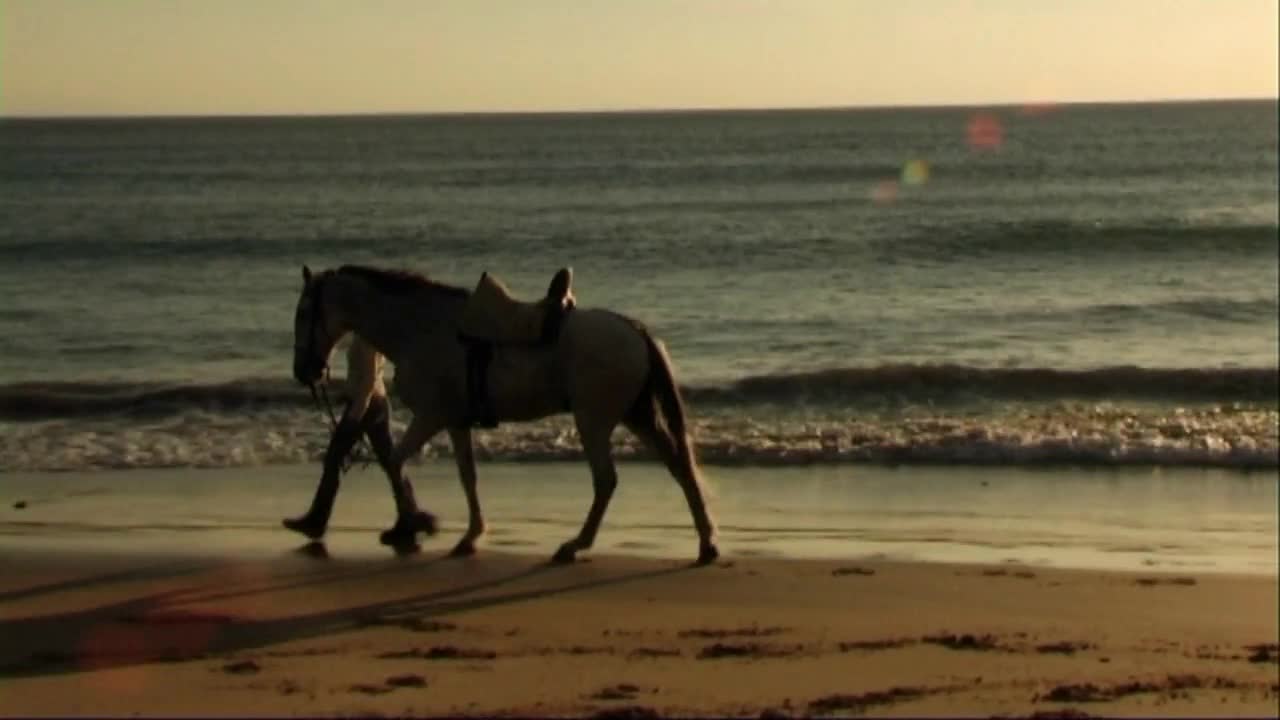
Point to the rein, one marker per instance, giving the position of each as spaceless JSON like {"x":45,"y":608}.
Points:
{"x":362,"y":451}
{"x":319,"y":390}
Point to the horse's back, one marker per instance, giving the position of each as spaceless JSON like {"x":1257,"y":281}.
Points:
{"x":598,"y":367}
{"x":593,"y":337}
{"x":605,"y":358}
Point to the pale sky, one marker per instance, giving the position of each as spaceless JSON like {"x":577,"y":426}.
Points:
{"x":143,"y":57}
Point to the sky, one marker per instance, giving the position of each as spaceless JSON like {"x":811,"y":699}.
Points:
{"x":213,"y":57}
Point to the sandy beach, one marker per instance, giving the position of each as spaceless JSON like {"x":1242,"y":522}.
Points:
{"x":305,"y":633}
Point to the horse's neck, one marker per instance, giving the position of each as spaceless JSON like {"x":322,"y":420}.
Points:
{"x":396,"y":324}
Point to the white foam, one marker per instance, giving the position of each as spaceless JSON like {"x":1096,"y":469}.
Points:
{"x":1240,"y":437}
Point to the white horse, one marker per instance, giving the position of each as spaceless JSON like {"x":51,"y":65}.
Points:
{"x":604,"y":368}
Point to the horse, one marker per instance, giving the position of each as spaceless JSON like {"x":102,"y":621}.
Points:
{"x":604,"y":368}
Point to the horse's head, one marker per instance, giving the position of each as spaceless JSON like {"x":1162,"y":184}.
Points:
{"x":314,"y":330}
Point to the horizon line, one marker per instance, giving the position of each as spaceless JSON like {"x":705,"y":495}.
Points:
{"x":638,"y":110}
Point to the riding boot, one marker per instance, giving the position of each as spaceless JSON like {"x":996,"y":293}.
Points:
{"x":410,"y":521}
{"x":316,"y":520}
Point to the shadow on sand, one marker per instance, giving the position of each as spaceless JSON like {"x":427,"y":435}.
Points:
{"x":163,"y":627}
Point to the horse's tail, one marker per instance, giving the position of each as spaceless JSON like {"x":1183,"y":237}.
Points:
{"x":662,"y":393}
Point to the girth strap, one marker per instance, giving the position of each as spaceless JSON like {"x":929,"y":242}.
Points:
{"x":479,"y":356}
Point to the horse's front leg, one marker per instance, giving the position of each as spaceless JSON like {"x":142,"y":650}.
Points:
{"x":464,"y":455}
{"x":410,"y":519}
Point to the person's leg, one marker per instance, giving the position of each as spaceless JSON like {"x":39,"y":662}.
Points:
{"x":316,"y":520}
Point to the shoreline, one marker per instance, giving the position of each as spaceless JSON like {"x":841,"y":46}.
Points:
{"x":1171,"y":522}
{"x":505,"y":634}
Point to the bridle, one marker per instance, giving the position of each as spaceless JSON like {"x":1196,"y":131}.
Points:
{"x":310,"y":352}
{"x":315,"y":322}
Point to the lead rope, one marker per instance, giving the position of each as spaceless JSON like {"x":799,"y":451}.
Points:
{"x":362,"y":451}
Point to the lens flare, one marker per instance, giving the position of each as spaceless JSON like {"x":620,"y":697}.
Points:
{"x":885,"y":192}
{"x":915,"y":173}
{"x":985,"y":132}
{"x":125,"y":646}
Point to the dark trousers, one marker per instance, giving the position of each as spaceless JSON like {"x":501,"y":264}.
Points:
{"x":376,"y":425}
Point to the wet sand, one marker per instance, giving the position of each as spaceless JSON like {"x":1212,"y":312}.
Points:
{"x":499,"y":634}
{"x":1128,"y":519}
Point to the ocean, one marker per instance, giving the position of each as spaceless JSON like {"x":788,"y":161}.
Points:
{"x":1072,"y":286}
{"x":1090,"y":285}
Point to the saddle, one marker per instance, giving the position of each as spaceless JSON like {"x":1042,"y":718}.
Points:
{"x":493,"y":316}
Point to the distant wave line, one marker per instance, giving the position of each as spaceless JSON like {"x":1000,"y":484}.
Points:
{"x":48,"y":400}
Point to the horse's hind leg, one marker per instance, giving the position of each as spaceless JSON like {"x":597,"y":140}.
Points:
{"x":644,"y":426}
{"x":464,"y":455}
{"x":410,"y":519}
{"x":604,"y":478}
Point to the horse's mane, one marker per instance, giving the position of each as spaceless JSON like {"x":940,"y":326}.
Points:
{"x":398,"y":282}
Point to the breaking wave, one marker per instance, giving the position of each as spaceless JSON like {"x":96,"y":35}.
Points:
{"x":50,"y":400}
{"x":931,"y":382}
{"x":1214,"y":417}
{"x":1063,"y":433}
{"x":912,"y":383}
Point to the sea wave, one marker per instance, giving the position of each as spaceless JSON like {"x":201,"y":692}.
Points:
{"x":1084,"y":434}
{"x":1065,"y":238}
{"x":940,"y":381}
{"x":942,"y":240}
{"x":921,"y":383}
{"x":50,"y":400}
{"x":1216,"y":308}
{"x":113,"y":246}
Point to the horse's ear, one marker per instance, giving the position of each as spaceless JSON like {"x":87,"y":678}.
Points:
{"x":306,"y":274}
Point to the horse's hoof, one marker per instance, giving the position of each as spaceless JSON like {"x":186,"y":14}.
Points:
{"x":424,"y":521}
{"x":565,"y":555}
{"x":406,"y":550}
{"x":464,"y":548}
{"x":304,"y":525}
{"x":708,"y":554}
